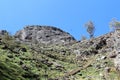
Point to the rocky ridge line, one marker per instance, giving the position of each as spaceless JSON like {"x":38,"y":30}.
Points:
{"x":44,"y":34}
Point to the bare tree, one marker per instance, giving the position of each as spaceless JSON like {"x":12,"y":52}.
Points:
{"x":90,"y":28}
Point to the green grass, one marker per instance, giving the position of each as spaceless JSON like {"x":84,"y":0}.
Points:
{"x":19,"y":65}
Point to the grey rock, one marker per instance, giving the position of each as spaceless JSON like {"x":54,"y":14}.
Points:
{"x":117,"y":62}
{"x":77,"y":53}
{"x":112,"y":54}
{"x":103,"y":57}
{"x":107,"y":69}
{"x":44,"y":34}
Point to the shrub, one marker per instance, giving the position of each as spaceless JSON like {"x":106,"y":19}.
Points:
{"x":115,"y":24}
{"x":83,"y":38}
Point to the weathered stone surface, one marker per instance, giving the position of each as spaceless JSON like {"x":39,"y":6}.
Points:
{"x":117,"y":62}
{"x":43,"y":34}
{"x":112,"y":55}
{"x":99,"y":45}
{"x":117,"y":49}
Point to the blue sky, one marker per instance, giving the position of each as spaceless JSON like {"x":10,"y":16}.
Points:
{"x":69,"y":15}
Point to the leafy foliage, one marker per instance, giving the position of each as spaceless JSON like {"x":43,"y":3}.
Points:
{"x":115,"y":24}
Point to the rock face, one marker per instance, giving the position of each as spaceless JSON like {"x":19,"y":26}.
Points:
{"x":117,"y":62}
{"x":117,"y":49}
{"x":102,"y":44}
{"x":43,"y":34}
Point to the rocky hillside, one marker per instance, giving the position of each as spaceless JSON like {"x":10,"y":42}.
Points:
{"x":44,"y":34}
{"x":66,"y":59}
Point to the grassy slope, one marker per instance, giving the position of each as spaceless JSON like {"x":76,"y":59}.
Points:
{"x":40,"y":62}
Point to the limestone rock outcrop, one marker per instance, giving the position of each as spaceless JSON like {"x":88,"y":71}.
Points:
{"x":44,"y":34}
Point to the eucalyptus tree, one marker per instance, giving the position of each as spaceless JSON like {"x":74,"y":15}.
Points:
{"x":90,"y":28}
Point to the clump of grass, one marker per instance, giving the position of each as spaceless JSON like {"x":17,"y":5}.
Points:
{"x":10,"y":71}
